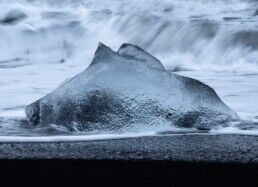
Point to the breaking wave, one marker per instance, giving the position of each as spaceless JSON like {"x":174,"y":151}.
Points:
{"x":218,"y":35}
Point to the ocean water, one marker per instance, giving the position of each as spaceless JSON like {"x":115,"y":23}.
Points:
{"x":215,"y":41}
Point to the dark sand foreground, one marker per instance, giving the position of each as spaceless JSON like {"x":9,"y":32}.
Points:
{"x":214,"y":160}
{"x":203,"y":147}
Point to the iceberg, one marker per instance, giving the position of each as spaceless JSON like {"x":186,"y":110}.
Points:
{"x":127,"y":88}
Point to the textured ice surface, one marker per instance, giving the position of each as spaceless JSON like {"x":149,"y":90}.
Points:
{"x":129,"y":87}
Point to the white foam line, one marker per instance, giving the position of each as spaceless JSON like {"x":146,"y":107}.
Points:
{"x":212,"y":133}
{"x":81,"y":138}
{"x":235,"y":131}
{"x":238,"y":133}
{"x":76,"y":138}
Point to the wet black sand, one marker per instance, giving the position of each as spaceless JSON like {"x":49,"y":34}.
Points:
{"x":214,"y":160}
{"x":203,"y":147}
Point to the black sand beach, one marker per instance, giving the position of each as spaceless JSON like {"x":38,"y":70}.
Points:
{"x":214,"y":160}
{"x":192,"y":148}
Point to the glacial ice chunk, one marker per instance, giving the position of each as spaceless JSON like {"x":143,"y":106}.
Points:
{"x":130,"y":88}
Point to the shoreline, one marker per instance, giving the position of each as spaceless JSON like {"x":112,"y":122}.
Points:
{"x":185,"y":160}
{"x":193,"y":148}
{"x":58,"y":138}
